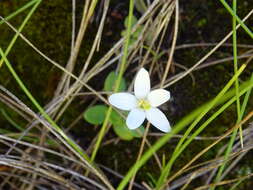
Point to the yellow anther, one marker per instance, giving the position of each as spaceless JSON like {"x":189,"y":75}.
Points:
{"x":144,"y":104}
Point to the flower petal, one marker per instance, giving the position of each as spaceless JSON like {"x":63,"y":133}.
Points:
{"x":158,"y":97}
{"x":158,"y":119}
{"x":135,"y":118}
{"x":123,"y":101}
{"x":142,"y":84}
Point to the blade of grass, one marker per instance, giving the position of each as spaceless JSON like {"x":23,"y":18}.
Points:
{"x":235,"y":186}
{"x":246,"y":98}
{"x":20,"y":29}
{"x":238,"y":104}
{"x":21,"y":9}
{"x":230,"y":10}
{"x":8,"y":118}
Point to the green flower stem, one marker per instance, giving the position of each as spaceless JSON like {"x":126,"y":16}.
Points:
{"x":117,"y":84}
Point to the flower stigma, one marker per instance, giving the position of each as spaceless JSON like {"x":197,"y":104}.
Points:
{"x":144,"y":104}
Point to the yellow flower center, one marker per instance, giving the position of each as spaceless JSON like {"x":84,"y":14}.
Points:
{"x":144,"y":104}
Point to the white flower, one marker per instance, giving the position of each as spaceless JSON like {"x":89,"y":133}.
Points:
{"x":143,"y":103}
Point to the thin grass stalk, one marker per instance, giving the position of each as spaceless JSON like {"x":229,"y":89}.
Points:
{"x":214,"y":163}
{"x":224,"y":182}
{"x":119,"y":78}
{"x":81,"y":75}
{"x":230,"y":10}
{"x":238,"y":104}
{"x":235,"y":185}
{"x":87,"y":13}
{"x":96,"y":42}
{"x":139,"y":154}
{"x":160,"y":23}
{"x":172,"y":49}
{"x":27,"y":18}
{"x":21,"y":9}
{"x":10,"y":120}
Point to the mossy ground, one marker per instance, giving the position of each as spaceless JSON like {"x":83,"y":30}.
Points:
{"x":50,"y":30}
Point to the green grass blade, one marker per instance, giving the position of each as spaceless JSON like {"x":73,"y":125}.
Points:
{"x":8,"y":118}
{"x":20,"y":29}
{"x":238,"y":104}
{"x":21,"y":9}
{"x":230,"y":10}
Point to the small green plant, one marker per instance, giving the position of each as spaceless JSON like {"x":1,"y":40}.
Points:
{"x":136,"y":34}
{"x":96,"y":114}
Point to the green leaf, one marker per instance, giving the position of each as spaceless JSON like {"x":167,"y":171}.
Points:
{"x":137,"y":32}
{"x":133,"y":21}
{"x":119,"y":126}
{"x":139,"y":132}
{"x":96,"y":114}
{"x":140,"y":6}
{"x":132,"y":38}
{"x":123,"y":132}
{"x":110,"y":81}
